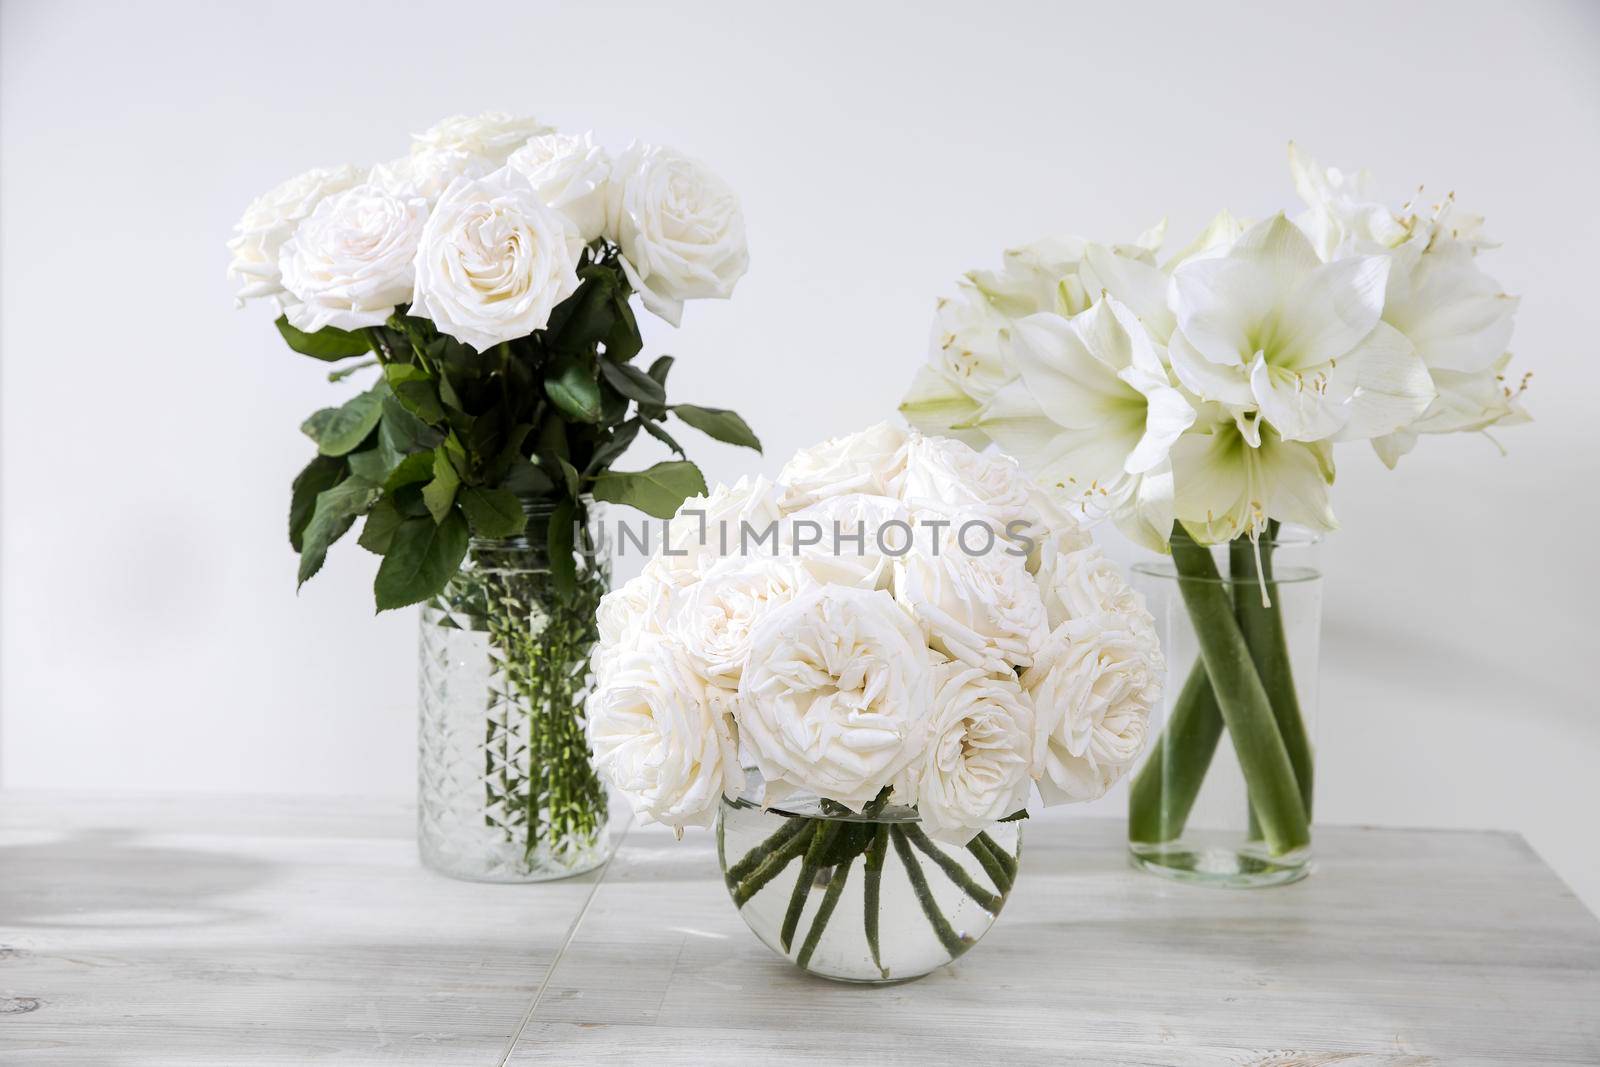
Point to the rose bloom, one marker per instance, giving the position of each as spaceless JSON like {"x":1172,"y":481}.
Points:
{"x":1093,"y":686}
{"x":350,"y":263}
{"x":493,"y":135}
{"x":493,"y":261}
{"x":984,"y":609}
{"x":840,"y":539}
{"x":571,"y":175}
{"x":720,"y":612}
{"x":661,"y":738}
{"x":835,"y":695}
{"x":944,"y":475}
{"x":679,"y":227}
{"x":978,"y":763}
{"x":638,"y":607}
{"x":271,"y":219}
{"x":1084,"y":583}
{"x":707,"y":528}
{"x":428,"y":174}
{"x":871,"y":461}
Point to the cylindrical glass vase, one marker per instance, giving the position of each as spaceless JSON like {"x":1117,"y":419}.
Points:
{"x":506,"y":790}
{"x":1224,"y":796}
{"x":862,"y":898}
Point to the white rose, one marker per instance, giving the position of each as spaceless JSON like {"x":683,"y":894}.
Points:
{"x":350,"y":262}
{"x":638,"y":608}
{"x":721,"y":611}
{"x":428,"y":174}
{"x":1084,"y":583}
{"x":493,"y":135}
{"x":662,"y":738}
{"x":571,"y":175}
{"x":983,"y":609}
{"x":871,"y":461}
{"x":679,"y":227}
{"x":841,"y":539}
{"x":730,"y":521}
{"x":977,"y":768}
{"x":494,"y":261}
{"x":271,"y":219}
{"x":1057,"y":535}
{"x":945,"y":476}
{"x":836,"y":693}
{"x":1093,"y":687}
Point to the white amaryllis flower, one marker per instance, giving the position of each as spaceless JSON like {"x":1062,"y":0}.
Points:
{"x":350,"y":262}
{"x":1084,"y":583}
{"x":493,"y":135}
{"x":1471,"y":401}
{"x":835,"y":694}
{"x":271,"y":219}
{"x":637,"y":608}
{"x":848,"y":540}
{"x":946,"y":476}
{"x":1041,"y":276}
{"x":1227,"y":486}
{"x":1093,"y":687}
{"x":679,"y":227}
{"x":978,"y":764}
{"x":1341,"y":215}
{"x":719,"y":613}
{"x":1273,"y":333}
{"x":1093,"y":416}
{"x":571,"y":174}
{"x":964,"y":369}
{"x":662,"y":737}
{"x":981,"y":608}
{"x":732,"y":520}
{"x":870,"y":461}
{"x":494,"y":261}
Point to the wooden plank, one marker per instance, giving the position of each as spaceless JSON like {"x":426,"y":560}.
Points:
{"x":199,"y":930}
{"x":1405,"y":947}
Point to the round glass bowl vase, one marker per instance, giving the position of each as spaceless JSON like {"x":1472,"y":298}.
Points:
{"x":862,"y":898}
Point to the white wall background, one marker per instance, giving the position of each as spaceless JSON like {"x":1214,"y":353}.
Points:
{"x":152,"y":637}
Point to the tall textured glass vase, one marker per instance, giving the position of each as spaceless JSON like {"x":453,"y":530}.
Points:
{"x":1224,"y":796}
{"x":507,"y":792}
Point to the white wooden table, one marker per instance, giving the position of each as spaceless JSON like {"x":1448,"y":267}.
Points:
{"x":220,"y":931}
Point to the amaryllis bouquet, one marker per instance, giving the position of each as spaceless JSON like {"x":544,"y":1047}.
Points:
{"x":898,"y":622}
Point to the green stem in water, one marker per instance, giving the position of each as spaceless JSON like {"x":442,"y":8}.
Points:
{"x":1246,"y":709}
{"x":1007,"y":861}
{"x":877,"y":849}
{"x":774,"y":864}
{"x":753,"y":859}
{"x":821,"y":841}
{"x":1165,"y":788}
{"x":991,"y":866}
{"x":830,"y":900}
{"x":986,"y":900}
{"x":953,"y":942}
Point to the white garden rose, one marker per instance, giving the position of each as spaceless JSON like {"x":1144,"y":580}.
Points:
{"x":638,"y":608}
{"x":271,"y":219}
{"x":494,"y":261}
{"x":679,"y":227}
{"x":1093,"y":686}
{"x":978,"y":765}
{"x":719,"y":613}
{"x":662,"y":738}
{"x":1084,"y":583}
{"x":945,"y":476}
{"x":350,"y":263}
{"x":428,"y":174}
{"x":732,"y":520}
{"x":571,"y":175}
{"x":871,"y":461}
{"x":850,"y":539}
{"x":835,"y":695}
{"x":493,"y":135}
{"x":983,"y":609}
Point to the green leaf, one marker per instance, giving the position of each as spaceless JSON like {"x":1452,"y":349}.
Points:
{"x":659,"y":369}
{"x":402,"y":433}
{"x":417,"y":467}
{"x":658,"y":491}
{"x":323,"y":472}
{"x":370,"y":464}
{"x":328,"y":343}
{"x":632,"y":382}
{"x":416,"y":391}
{"x":341,"y":429}
{"x":440,"y":494}
{"x":563,"y":567}
{"x":624,"y":340}
{"x":569,"y":474}
{"x":572,"y":388}
{"x":423,"y":556}
{"x":594,"y":314}
{"x":492,"y":512}
{"x":656,"y":430}
{"x":344,"y":372}
{"x":527,"y":479}
{"x":336,"y":510}
{"x":378,"y":530}
{"x":718,"y":423}
{"x":621,"y":437}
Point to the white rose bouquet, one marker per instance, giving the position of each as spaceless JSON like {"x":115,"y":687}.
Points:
{"x":900,"y":622}
{"x":489,"y":276}
{"x":1195,"y":400}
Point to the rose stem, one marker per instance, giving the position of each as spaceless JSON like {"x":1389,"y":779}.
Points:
{"x":991,"y":866}
{"x":953,"y":942}
{"x":830,"y":900}
{"x":988,"y":901}
{"x":877,"y":847}
{"x":774,"y":864}
{"x":1007,"y":861}
{"x":1262,"y":627}
{"x":826,"y":831}
{"x":1246,"y":709}
{"x":753,"y":858}
{"x":1166,"y":786}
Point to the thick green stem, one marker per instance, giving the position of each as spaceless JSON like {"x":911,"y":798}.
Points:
{"x":1164,"y":791}
{"x":774,"y":864}
{"x":952,"y":941}
{"x":1246,"y":710}
{"x":986,"y":900}
{"x":830,"y":900}
{"x":754,"y":858}
{"x":990,"y":864}
{"x":1007,"y":861}
{"x":877,"y":848}
{"x":821,"y":842}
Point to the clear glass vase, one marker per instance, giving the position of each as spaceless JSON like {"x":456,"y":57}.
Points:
{"x":506,"y":790}
{"x":1224,"y":794}
{"x":862,"y":898}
